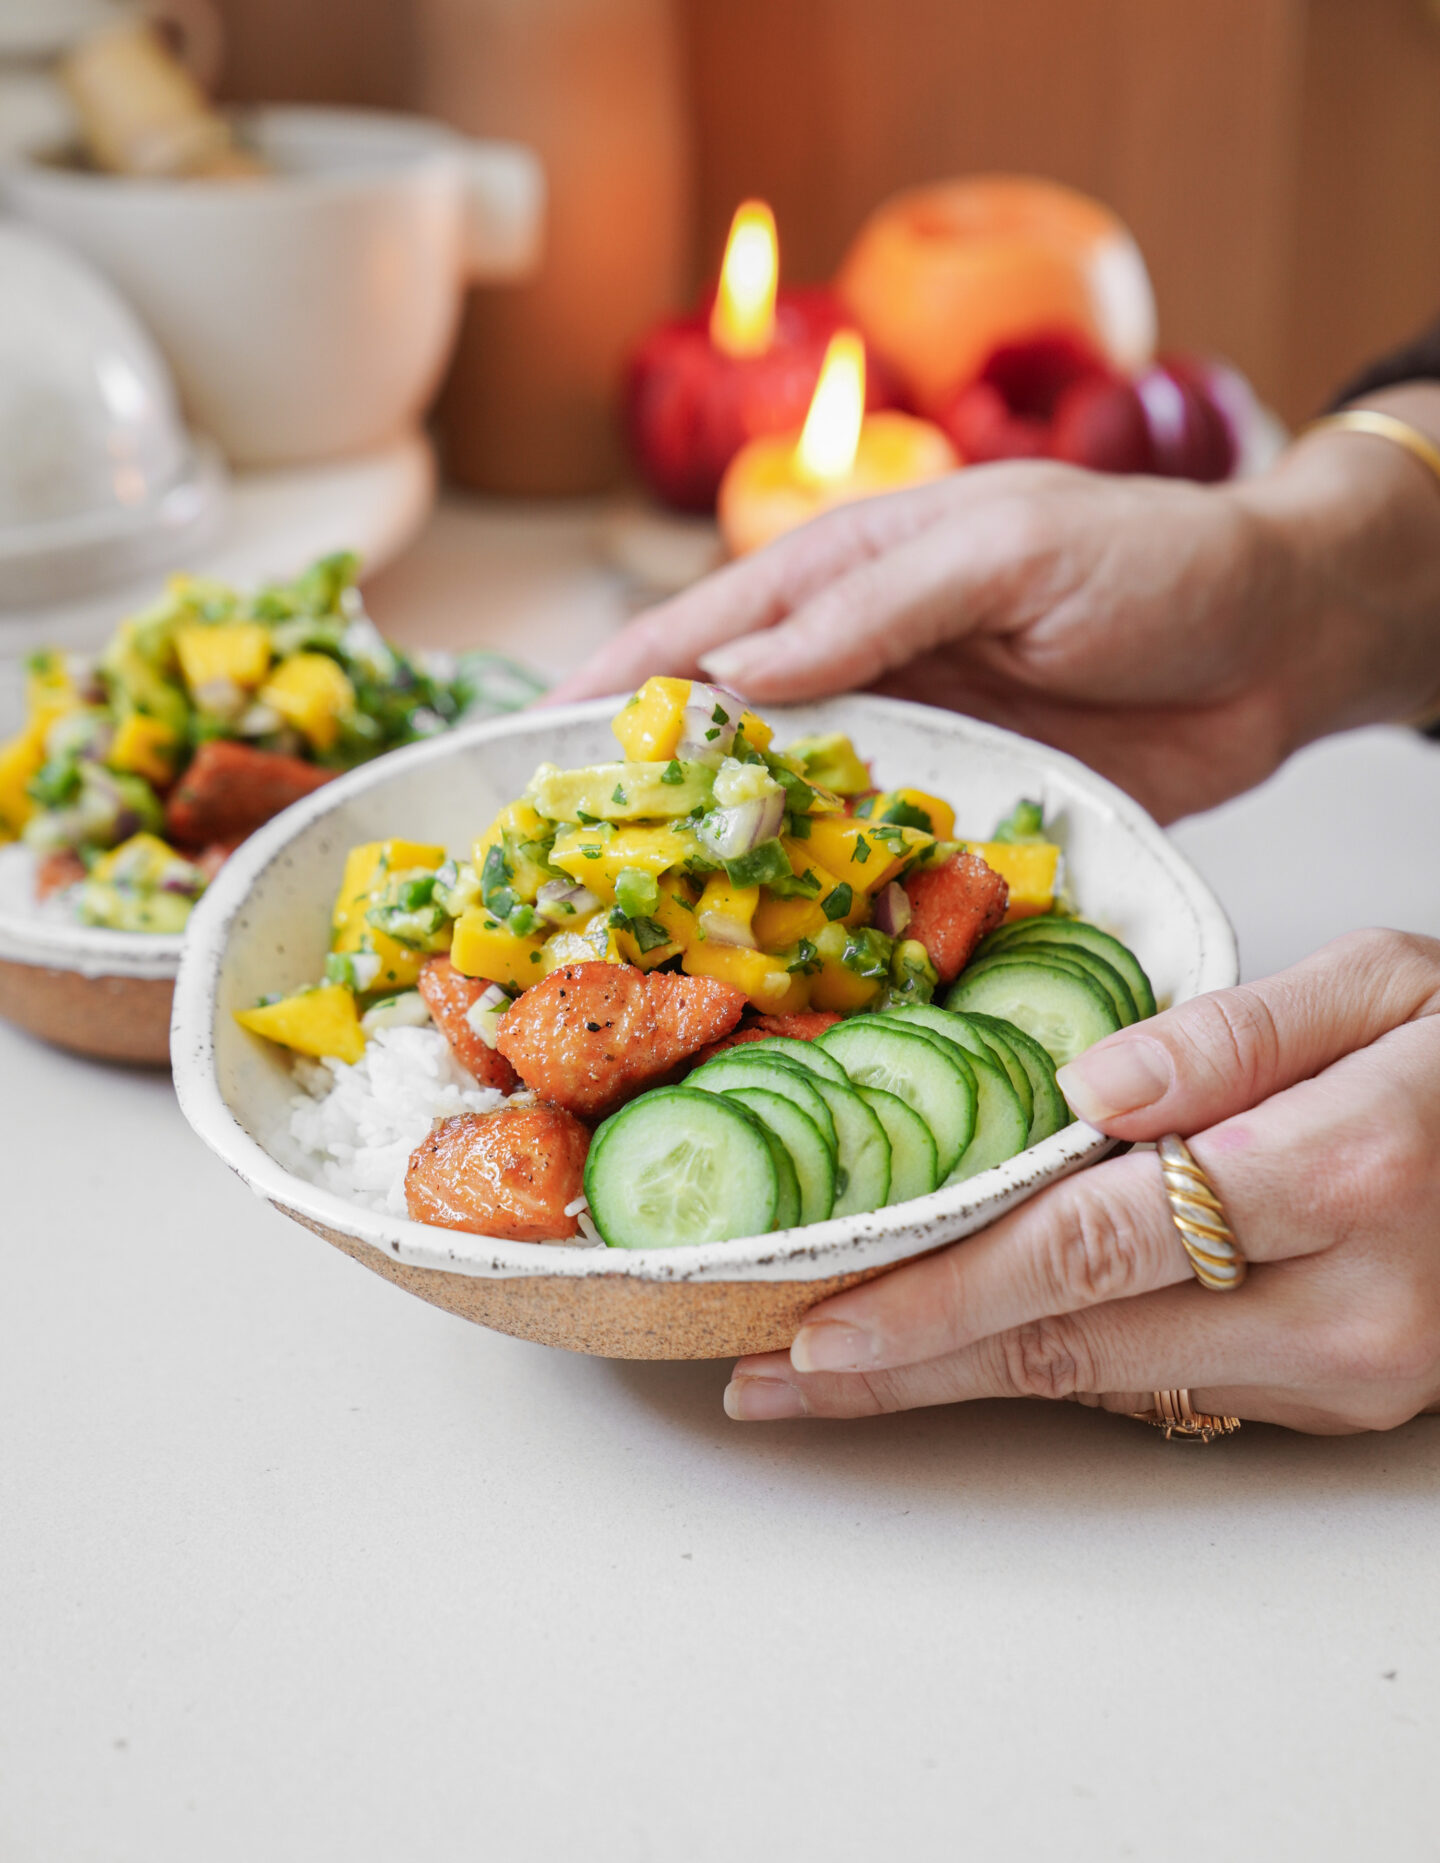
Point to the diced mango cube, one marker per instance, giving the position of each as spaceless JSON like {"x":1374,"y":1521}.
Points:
{"x":724,"y":906}
{"x":597,"y":860}
{"x":908,"y":803}
{"x":20,"y":758}
{"x":239,"y":653}
{"x":369,"y":869}
{"x":764,"y":979}
{"x":313,"y":693}
{"x":485,"y":947}
{"x":648,"y":726}
{"x":852,"y":851}
{"x":141,"y":861}
{"x":835,"y":986}
{"x":146,"y":747}
{"x":757,"y":732}
{"x":1030,"y":869}
{"x":323,"y":1022}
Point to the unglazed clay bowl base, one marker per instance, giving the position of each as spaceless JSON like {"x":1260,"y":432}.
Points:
{"x":99,"y":993}
{"x":263,"y":926}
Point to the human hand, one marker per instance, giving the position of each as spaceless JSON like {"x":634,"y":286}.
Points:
{"x":1181,"y":639}
{"x":1315,"y":1097}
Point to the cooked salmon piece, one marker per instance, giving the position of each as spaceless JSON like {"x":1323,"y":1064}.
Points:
{"x":592,"y":1036}
{"x":55,"y":871}
{"x":230,"y":790}
{"x":805,"y":1026}
{"x":448,"y":995}
{"x":951,"y":909}
{"x":509,"y":1173}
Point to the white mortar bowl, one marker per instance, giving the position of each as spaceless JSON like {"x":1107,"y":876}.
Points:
{"x":264,"y":925}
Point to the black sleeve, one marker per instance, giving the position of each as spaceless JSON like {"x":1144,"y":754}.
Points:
{"x":1417,"y":361}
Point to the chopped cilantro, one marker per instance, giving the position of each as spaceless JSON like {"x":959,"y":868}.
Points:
{"x":837,"y":903}
{"x":906,"y":815}
{"x":862,"y":849}
{"x":618,"y":797}
{"x":672,"y":773}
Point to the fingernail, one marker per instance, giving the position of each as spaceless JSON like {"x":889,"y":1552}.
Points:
{"x":833,"y":1345}
{"x":728,"y":665}
{"x":1115,"y":1078}
{"x":762,"y":1400}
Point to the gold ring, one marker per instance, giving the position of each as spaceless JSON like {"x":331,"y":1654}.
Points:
{"x":1174,"y":1414}
{"x":1209,"y":1241}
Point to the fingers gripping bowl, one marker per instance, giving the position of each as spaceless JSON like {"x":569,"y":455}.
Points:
{"x":264,"y":927}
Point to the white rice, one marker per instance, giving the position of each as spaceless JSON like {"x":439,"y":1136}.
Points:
{"x":358,"y":1125}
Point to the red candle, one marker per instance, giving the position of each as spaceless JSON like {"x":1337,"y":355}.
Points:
{"x":739,"y":366}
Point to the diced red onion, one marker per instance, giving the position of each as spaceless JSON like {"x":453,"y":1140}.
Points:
{"x":562,"y":902}
{"x":703,"y":738}
{"x":485,"y":1012}
{"x":892,"y":910}
{"x":728,"y":833}
{"x":724,"y":928}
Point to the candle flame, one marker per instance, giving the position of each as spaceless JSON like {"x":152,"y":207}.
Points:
{"x":831,"y":434}
{"x":743,"y":320}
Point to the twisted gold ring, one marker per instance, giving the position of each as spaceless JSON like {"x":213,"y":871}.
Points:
{"x":1174,"y":1414}
{"x":1207,"y":1238}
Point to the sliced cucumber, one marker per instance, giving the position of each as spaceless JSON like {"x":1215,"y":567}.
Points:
{"x":787,"y":1182}
{"x":1105,"y":974}
{"x":1050,"y":1112}
{"x":974,"y":1040}
{"x":803,"y":1053}
{"x":1063,"y":1008}
{"x":1051,"y":930}
{"x":675,"y":1168}
{"x":914,"y":1162}
{"x":735,"y":1067}
{"x":1001,"y":1126}
{"x":933,"y":1078}
{"x":862,"y":1167}
{"x":810,"y":1151}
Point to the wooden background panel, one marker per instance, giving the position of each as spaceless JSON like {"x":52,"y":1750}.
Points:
{"x":1183,"y":117}
{"x":1367,"y":260}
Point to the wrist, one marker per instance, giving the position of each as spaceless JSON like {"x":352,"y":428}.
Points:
{"x":1351,"y":525}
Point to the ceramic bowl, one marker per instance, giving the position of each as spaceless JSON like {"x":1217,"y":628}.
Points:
{"x":263,"y":926}
{"x":309,"y":314}
{"x":101,"y":993}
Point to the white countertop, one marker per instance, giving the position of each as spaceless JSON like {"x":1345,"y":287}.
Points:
{"x":295,"y":1567}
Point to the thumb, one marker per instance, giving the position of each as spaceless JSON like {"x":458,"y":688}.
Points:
{"x":1220,"y":1054}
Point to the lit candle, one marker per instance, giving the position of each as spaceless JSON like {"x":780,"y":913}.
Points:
{"x":841,"y":453}
{"x":742,"y":365}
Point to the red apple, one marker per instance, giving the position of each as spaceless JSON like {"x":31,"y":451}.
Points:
{"x":1100,"y":423}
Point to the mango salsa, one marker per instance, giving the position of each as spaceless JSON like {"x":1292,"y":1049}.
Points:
{"x":911,"y":808}
{"x":764,"y":979}
{"x":598,"y":860}
{"x":20,"y":759}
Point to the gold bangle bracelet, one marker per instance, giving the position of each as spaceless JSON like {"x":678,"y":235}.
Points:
{"x":1382,"y":427}
{"x":1400,"y":433}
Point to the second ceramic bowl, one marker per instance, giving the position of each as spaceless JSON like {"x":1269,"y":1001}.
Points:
{"x":264,"y":925}
{"x":308,"y":314}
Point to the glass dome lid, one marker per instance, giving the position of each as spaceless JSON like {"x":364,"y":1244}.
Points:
{"x":99,"y":480}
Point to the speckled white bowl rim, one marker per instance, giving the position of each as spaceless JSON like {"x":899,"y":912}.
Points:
{"x":842,"y":1245}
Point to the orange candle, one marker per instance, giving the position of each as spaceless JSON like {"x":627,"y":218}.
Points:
{"x":778,"y":482}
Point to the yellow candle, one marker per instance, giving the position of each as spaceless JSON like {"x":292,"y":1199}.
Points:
{"x":842,"y":453}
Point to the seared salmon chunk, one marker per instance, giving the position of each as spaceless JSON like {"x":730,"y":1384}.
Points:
{"x":509,"y":1173}
{"x":806,"y":1026}
{"x":592,"y":1036}
{"x":449,"y":996}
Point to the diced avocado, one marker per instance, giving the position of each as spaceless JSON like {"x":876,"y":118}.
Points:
{"x":831,"y":761}
{"x":620,"y":792}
